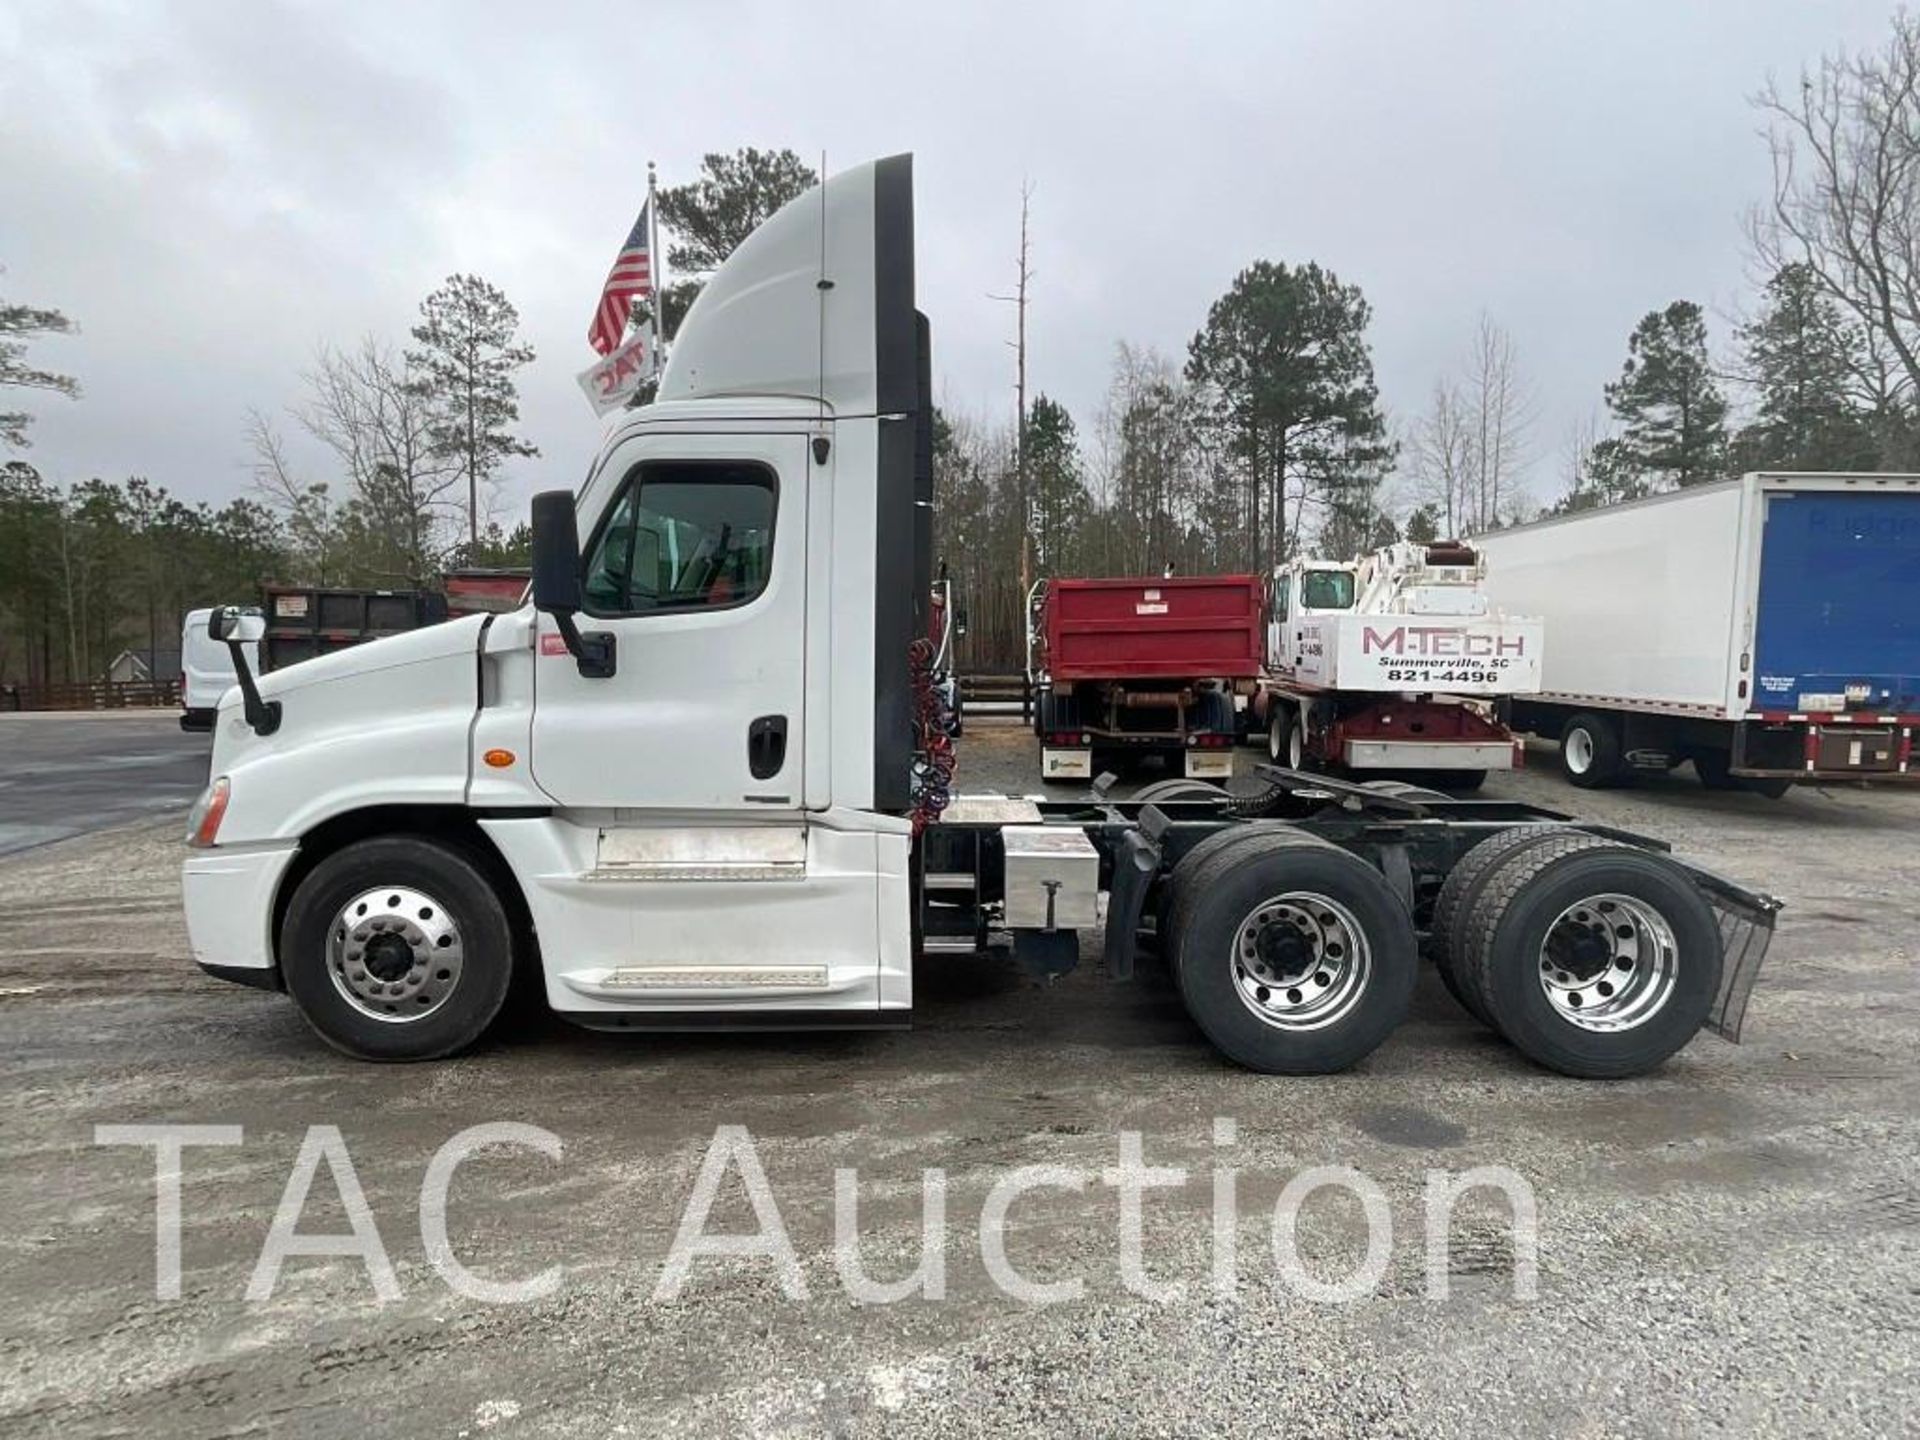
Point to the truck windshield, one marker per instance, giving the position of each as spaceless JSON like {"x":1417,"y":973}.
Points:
{"x":1326,"y":590}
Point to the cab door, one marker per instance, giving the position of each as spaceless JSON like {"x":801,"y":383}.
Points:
{"x":695,"y":564}
{"x":1279,"y":651}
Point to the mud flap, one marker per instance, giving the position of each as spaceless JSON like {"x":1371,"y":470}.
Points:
{"x":1746,"y":930}
{"x":1134,"y":866}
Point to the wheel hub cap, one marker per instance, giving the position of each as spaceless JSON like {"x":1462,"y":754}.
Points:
{"x":394,"y":954}
{"x":1579,"y":752}
{"x":1300,"y":961}
{"x":1609,"y":963}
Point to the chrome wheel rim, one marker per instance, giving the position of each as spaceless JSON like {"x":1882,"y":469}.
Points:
{"x":1274,"y":747}
{"x":1300,"y":961}
{"x":394,"y":954}
{"x":1296,"y":747}
{"x":1579,"y":752}
{"x":1609,"y":963}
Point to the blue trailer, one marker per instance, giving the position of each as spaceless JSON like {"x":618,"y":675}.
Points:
{"x":1765,"y":630}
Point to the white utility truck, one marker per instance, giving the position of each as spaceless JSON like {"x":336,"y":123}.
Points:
{"x":1765,"y":628}
{"x":697,"y":781}
{"x":1391,"y":663}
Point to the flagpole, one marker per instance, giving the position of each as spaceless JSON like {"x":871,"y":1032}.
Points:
{"x":658,"y":268}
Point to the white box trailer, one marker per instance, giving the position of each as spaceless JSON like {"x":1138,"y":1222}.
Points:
{"x":1767,"y":629}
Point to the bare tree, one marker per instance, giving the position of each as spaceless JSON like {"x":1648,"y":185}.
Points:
{"x":1502,"y":410}
{"x":368,"y":409}
{"x":1470,"y":450}
{"x":1846,"y":190}
{"x":306,"y":509}
{"x":1443,"y":449}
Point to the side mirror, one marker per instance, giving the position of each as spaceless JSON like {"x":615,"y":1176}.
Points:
{"x":556,"y":553}
{"x":232,"y":623}
{"x":237,"y":628}
{"x":556,"y":581}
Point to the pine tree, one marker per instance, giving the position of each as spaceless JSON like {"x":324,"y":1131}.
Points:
{"x":1670,"y":408}
{"x":1056,"y":486}
{"x":18,"y":324}
{"x":1802,"y":356}
{"x":467,"y":354}
{"x":1284,"y":361}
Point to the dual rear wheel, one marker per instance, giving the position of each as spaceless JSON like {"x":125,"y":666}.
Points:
{"x":1593,"y":958}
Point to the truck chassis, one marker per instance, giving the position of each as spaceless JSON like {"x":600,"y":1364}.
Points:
{"x":1633,"y":952}
{"x":1445,"y":740}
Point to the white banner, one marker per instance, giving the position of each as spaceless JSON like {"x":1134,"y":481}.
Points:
{"x":610,"y":383}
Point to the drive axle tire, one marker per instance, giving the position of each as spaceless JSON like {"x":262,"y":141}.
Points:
{"x":1590,"y":752}
{"x":1446,"y":935}
{"x":1593,"y":958}
{"x":1178,"y":788}
{"x":397,"y":948}
{"x":1293,"y":956}
{"x":1279,"y":733}
{"x":1715,"y":769}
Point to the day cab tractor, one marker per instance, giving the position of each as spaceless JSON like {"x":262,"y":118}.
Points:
{"x":699,"y":781}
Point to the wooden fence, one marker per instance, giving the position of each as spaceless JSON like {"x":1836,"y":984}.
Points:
{"x":92,"y":695}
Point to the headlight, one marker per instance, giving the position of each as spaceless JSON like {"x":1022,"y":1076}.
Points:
{"x":203,"y":821}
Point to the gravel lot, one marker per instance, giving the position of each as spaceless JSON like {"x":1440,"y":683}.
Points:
{"x":1730,"y":1246}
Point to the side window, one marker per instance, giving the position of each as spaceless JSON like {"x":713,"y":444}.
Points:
{"x":684,"y":535}
{"x":1281,"y":586}
{"x":1327,"y":590}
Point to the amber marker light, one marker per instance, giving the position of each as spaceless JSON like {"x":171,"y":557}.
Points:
{"x":499,"y":759}
{"x":203,"y":823}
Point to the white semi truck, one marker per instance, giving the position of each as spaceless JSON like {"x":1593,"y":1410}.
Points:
{"x":1392,"y":663}
{"x":696,"y":783}
{"x":1766,"y":629}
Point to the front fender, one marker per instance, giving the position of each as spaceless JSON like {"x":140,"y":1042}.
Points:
{"x":388,"y":734}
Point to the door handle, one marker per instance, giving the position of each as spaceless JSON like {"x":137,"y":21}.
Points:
{"x":767,"y":746}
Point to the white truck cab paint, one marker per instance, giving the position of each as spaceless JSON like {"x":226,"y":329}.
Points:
{"x":712,"y":820}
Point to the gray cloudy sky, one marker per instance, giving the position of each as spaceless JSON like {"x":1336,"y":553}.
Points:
{"x":211,"y":189}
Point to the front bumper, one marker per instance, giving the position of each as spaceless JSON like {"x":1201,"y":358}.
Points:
{"x":229,"y":896}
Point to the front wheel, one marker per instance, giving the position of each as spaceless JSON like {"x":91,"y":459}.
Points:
{"x":397,"y":948}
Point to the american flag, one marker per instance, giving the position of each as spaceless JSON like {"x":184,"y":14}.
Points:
{"x":630,"y":279}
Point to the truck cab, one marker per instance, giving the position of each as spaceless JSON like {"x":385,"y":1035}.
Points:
{"x":696,"y":770}
{"x":1298,"y":591}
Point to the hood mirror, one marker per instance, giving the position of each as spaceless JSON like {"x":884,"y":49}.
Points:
{"x":240,"y":628}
